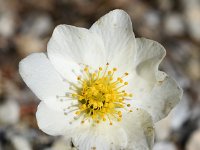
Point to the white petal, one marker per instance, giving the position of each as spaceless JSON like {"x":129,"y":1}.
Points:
{"x":162,"y":99}
{"x":70,"y":46}
{"x":153,"y":90}
{"x":145,"y":66}
{"x":149,"y":55}
{"x":84,"y":136}
{"x":115,"y":29}
{"x":40,"y":76}
{"x":139,"y":128}
{"x":100,"y":137}
{"x":54,"y":122}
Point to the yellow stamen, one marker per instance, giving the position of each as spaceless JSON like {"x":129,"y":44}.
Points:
{"x":99,"y":97}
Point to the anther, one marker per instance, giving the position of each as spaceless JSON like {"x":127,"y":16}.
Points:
{"x":99,"y":96}
{"x":119,"y":112}
{"x":77,"y":112}
{"x":85,"y":69}
{"x":125,"y":94}
{"x":109,"y":72}
{"x":94,"y":74}
{"x":73,"y":95}
{"x":128,"y":105}
{"x":125,"y":83}
{"x":79,"y":78}
{"x":114,"y":69}
{"x":119,"y":119}
{"x":126,"y":73}
{"x":118,"y":79}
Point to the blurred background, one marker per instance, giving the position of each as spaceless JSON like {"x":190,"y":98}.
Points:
{"x":26,"y":26}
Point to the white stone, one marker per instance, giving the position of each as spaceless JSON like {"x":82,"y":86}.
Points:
{"x":40,"y":25}
{"x":162,"y":128}
{"x":7,"y":25}
{"x":152,"y":19}
{"x":174,"y":24}
{"x":20,"y":143}
{"x":181,"y":113}
{"x":192,"y":16}
{"x":194,"y":141}
{"x":9,"y":112}
{"x":164,"y":146}
{"x":62,"y":144}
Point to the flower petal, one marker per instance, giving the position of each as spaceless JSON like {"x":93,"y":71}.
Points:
{"x":54,"y":122}
{"x":139,"y":128}
{"x":148,"y":57}
{"x":115,"y":29}
{"x":70,"y":46}
{"x":40,"y":76}
{"x":162,"y":99}
{"x":100,"y":137}
{"x":84,"y":136}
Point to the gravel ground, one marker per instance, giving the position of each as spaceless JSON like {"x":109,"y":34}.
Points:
{"x":26,"y":26}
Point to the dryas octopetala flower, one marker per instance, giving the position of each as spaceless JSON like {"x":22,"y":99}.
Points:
{"x":101,"y":87}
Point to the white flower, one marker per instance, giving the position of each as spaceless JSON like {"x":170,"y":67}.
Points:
{"x":101,"y":87}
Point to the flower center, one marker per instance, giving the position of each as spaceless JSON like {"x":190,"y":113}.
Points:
{"x":100,"y":95}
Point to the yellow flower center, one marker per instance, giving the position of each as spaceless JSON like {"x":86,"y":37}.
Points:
{"x":100,"y":95}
